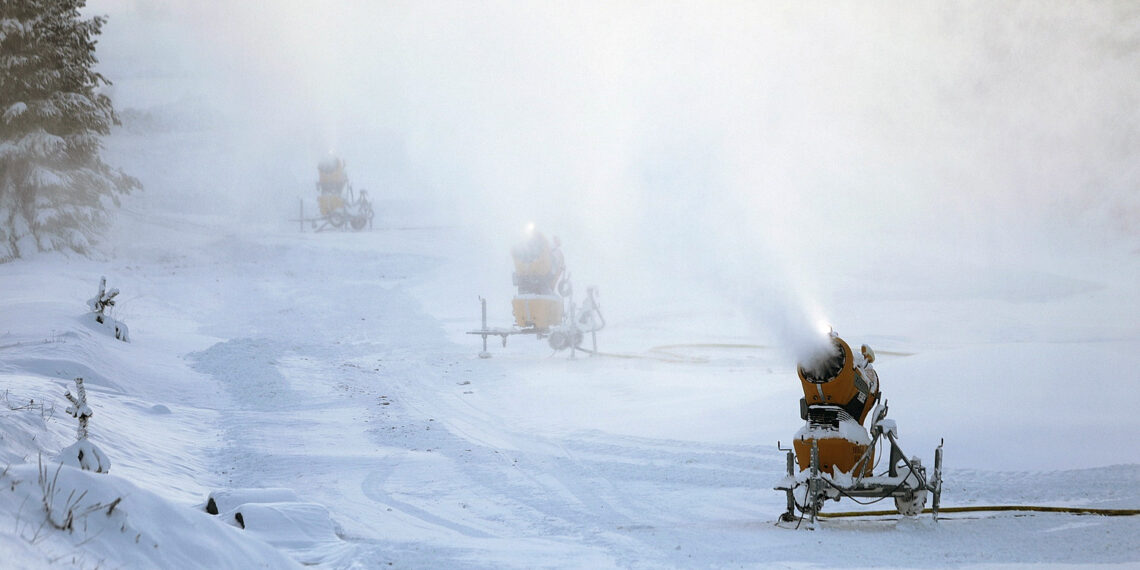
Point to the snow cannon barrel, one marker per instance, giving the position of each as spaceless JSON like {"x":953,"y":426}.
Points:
{"x":839,"y":378}
{"x":332,"y":177}
{"x":534,"y":265}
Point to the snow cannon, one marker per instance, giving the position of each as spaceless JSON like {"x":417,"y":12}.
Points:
{"x":340,"y":207}
{"x":331,"y":181}
{"x":537,"y":275}
{"x":833,"y":455}
{"x":544,"y":302}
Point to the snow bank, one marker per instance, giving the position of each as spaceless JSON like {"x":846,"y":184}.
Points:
{"x":101,"y":520}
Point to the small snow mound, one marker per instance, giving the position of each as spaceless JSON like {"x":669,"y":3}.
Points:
{"x":224,"y":500}
{"x":277,"y":517}
{"x":107,"y":521}
{"x":287,"y":525}
{"x":86,"y":456}
{"x":110,"y":326}
{"x":305,"y":531}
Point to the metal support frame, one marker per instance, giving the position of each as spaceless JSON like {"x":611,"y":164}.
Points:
{"x":893,"y":484}
{"x":484,"y":354}
{"x":363,"y":207}
{"x":575,"y":333}
{"x":486,"y":331}
{"x":815,"y":483}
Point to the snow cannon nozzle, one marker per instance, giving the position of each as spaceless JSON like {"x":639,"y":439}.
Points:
{"x":824,"y":362}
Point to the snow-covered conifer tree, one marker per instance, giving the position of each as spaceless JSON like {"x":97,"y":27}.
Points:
{"x":83,"y":453}
{"x":54,"y":186}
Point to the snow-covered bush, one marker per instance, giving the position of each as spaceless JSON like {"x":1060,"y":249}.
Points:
{"x":83,"y":454}
{"x":103,"y":300}
{"x":54,"y":186}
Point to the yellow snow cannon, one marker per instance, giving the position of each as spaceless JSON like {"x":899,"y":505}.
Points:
{"x":544,"y":304}
{"x":833,"y":455}
{"x":538,"y":270}
{"x":339,"y":205}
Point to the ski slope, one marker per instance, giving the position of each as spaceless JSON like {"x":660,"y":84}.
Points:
{"x":336,"y":365}
{"x":953,"y":185}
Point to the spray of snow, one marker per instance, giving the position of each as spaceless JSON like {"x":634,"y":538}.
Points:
{"x":682,"y":152}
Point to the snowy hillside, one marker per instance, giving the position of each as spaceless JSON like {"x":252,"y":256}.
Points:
{"x":939,"y":203}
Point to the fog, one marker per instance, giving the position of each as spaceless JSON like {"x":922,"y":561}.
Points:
{"x":735,"y":149}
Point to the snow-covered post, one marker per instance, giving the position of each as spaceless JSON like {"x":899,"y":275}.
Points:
{"x":102,"y":300}
{"x":83,"y":454}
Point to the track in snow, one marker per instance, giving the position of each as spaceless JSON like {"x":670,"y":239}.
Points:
{"x":353,"y":395}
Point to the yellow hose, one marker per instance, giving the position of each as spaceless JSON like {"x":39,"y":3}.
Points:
{"x":994,"y":508}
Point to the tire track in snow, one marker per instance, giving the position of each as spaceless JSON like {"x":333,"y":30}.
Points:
{"x":378,"y":481}
{"x":599,"y":490}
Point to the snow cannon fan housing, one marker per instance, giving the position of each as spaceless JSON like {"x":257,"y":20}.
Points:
{"x":840,"y":390}
{"x":331,"y":181}
{"x":538,"y":269}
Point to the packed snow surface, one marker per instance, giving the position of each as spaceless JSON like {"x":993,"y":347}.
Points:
{"x":333,"y":371}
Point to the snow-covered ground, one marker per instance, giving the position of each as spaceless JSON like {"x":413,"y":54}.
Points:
{"x":336,"y":365}
{"x":333,"y":371}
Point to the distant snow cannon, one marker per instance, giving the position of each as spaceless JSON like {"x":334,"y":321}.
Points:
{"x":544,"y":302}
{"x":339,"y":205}
{"x":833,"y":455}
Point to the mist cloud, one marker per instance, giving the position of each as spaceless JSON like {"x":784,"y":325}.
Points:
{"x":749,"y":146}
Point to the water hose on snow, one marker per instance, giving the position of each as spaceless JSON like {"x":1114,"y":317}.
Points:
{"x":996,"y":508}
